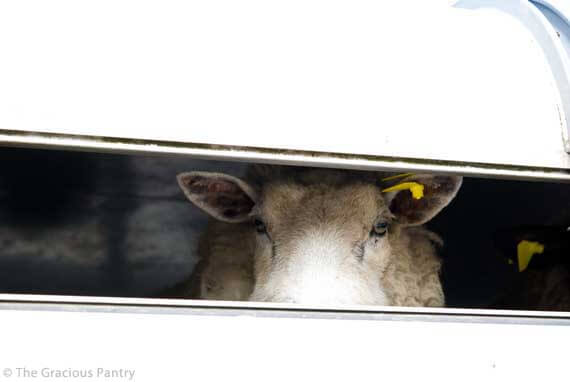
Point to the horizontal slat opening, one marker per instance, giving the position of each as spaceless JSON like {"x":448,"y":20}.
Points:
{"x":76,"y":221}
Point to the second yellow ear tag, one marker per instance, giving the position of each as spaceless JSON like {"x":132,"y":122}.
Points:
{"x":526,"y":250}
{"x":415,"y":188}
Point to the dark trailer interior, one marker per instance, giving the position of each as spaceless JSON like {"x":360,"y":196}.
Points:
{"x":80,"y":223}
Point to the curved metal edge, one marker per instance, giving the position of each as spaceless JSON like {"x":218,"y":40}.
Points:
{"x":560,"y":8}
{"x":557,"y":14}
{"x":548,"y":38}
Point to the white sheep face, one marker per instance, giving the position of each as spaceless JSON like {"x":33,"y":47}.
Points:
{"x":321,"y":245}
{"x":326,"y":242}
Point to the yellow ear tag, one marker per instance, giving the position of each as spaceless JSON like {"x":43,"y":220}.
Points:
{"x":525,"y":251}
{"x":415,"y":188}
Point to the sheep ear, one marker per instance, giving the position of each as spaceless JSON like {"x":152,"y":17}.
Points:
{"x":417,"y":199}
{"x":224,"y":197}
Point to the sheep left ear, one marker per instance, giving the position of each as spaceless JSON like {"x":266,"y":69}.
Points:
{"x":416,"y":199}
{"x":223,"y":196}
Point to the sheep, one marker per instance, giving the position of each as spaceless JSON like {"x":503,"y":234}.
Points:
{"x":317,"y":236}
{"x":544,"y":283}
{"x":539,"y":289}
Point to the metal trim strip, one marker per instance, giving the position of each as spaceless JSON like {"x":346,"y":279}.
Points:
{"x":12,"y":138}
{"x":236,"y":308}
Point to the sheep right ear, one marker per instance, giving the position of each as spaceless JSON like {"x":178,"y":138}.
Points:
{"x":434,"y":192}
{"x":224,"y":197}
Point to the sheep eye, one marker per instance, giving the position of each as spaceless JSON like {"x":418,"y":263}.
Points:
{"x":380,"y":228}
{"x":259,"y":226}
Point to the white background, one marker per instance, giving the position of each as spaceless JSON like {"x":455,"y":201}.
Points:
{"x":364,"y":77}
{"x":407,"y":79}
{"x":166,"y":347}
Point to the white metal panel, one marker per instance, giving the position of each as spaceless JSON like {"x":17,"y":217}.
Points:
{"x":558,"y":51}
{"x":404,"y":79}
{"x":178,"y":344}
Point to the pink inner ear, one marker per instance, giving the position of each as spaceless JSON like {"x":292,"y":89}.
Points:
{"x":224,"y":187}
{"x":408,"y":209}
{"x":204,"y":185}
{"x":438,"y":192}
{"x":222,"y":195}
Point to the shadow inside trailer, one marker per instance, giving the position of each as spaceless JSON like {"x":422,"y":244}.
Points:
{"x":113,"y":225}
